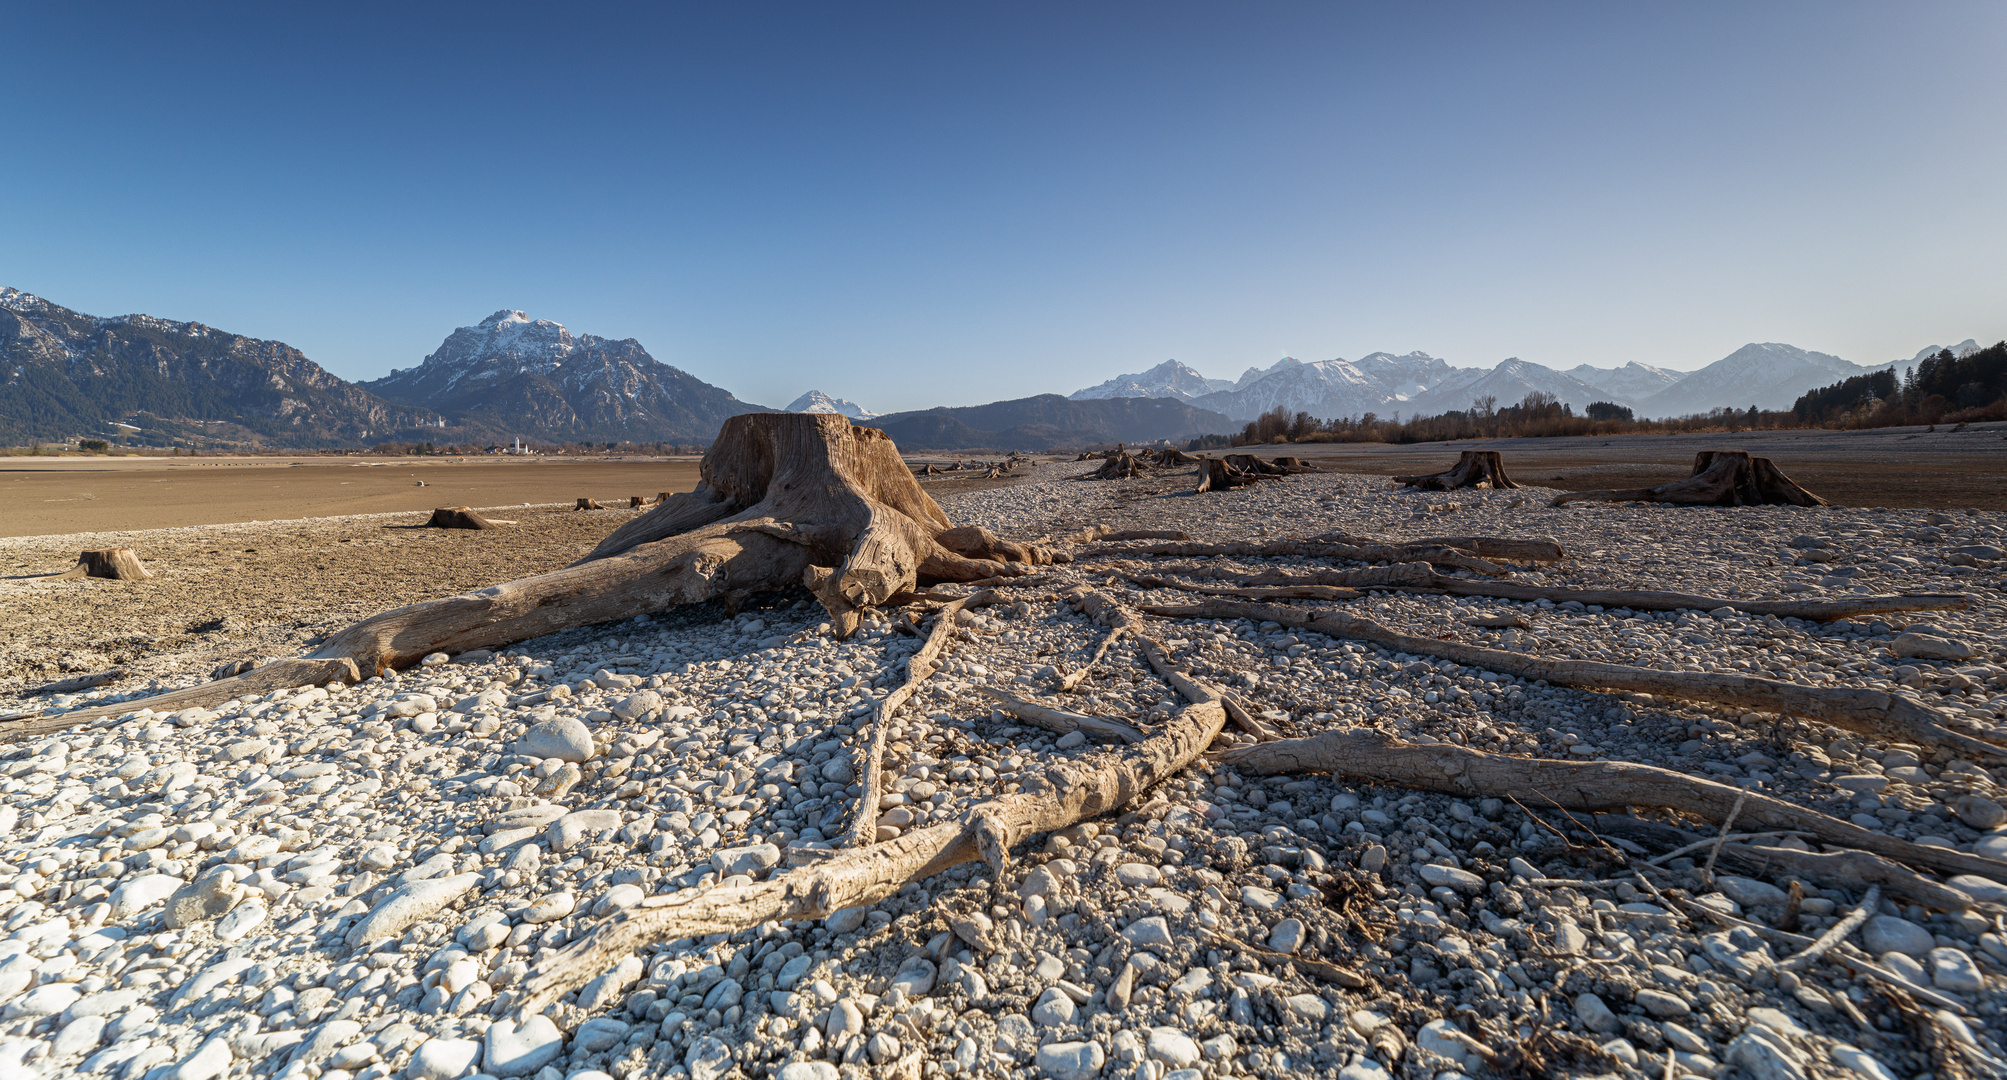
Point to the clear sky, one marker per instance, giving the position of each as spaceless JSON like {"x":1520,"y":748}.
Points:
{"x":944,"y":204}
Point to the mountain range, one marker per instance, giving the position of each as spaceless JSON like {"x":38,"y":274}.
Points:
{"x":64,"y":373}
{"x":1769,"y":376}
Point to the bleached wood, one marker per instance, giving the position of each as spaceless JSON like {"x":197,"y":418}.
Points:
{"x":1871,"y":712}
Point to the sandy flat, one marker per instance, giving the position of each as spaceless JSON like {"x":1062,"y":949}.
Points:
{"x":45,"y":496}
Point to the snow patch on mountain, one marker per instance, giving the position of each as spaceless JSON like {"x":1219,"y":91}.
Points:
{"x":1169,"y":379}
{"x":815,"y":401}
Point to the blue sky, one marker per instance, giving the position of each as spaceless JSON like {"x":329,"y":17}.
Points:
{"x":916,"y":205}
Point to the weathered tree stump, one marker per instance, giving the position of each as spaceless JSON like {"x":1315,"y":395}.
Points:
{"x":1120,"y":465}
{"x":458,"y":517}
{"x":1254,"y":466}
{"x":1473,"y":469}
{"x":1294,"y":465}
{"x":589,"y":504}
{"x":117,"y":564}
{"x":1720,"y":478}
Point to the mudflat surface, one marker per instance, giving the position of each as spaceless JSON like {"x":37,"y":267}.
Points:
{"x":41,"y":496}
{"x":1905,"y":468}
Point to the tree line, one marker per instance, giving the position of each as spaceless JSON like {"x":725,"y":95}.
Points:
{"x":1942,"y":389}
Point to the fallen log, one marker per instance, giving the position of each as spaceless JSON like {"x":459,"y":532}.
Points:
{"x":458,"y":517}
{"x":1473,"y":469}
{"x":1376,"y":757}
{"x":918,"y":667}
{"x":1418,"y":577}
{"x":1720,"y":478}
{"x":1070,"y":791}
{"x":1061,"y":720}
{"x":781,"y":492}
{"x":1871,"y":712}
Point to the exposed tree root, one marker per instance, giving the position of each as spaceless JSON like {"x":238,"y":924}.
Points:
{"x":1418,"y":577}
{"x":278,"y":675}
{"x":1473,"y":469}
{"x":77,"y":682}
{"x":1376,"y":757}
{"x":1871,"y":712}
{"x":1435,"y":554}
{"x":1062,"y":721}
{"x":864,"y":828}
{"x":1720,"y":478}
{"x":1103,"y":532}
{"x":1854,"y":870}
{"x":1280,"y":592}
{"x":1070,"y":791}
{"x":1518,"y":549}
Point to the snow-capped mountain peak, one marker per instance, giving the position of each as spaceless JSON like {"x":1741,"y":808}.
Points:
{"x":1169,"y":379}
{"x":815,"y":401}
{"x":536,"y":375}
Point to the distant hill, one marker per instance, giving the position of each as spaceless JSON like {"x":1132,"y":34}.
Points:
{"x":1049,"y":422}
{"x":534,"y":377}
{"x":66,"y":374}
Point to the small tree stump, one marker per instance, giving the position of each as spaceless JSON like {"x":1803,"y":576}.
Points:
{"x":1473,"y":469}
{"x":1254,"y":466}
{"x":457,"y":517}
{"x":1294,"y":465}
{"x":636,"y":502}
{"x":1720,"y":478}
{"x":588,"y":504}
{"x":118,"y":564}
{"x":1120,"y":465}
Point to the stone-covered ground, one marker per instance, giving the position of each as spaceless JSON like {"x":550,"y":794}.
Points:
{"x":354,"y":883}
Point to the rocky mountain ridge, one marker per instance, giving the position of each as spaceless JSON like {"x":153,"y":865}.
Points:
{"x":816,"y":401}
{"x":65,"y":374}
{"x":534,"y":376}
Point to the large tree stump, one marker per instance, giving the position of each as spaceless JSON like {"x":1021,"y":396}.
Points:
{"x":1720,"y":478}
{"x":1121,"y":465}
{"x":458,"y":517}
{"x":1473,"y":469}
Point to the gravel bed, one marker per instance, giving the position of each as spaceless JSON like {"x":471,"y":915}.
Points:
{"x":353,"y":883}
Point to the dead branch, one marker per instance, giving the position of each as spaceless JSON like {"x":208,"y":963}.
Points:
{"x":1838,"y":933}
{"x":1376,"y":757}
{"x":1521,"y":549}
{"x":1852,"y":870}
{"x":1283,"y":592}
{"x":1473,"y":469}
{"x":1720,"y":478}
{"x":1872,"y":712}
{"x":278,"y":675}
{"x":918,"y":667}
{"x":1062,"y":721}
{"x":77,"y":682}
{"x":1070,"y":791}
